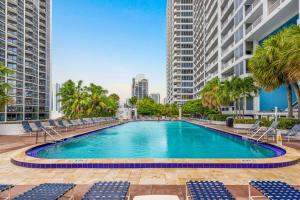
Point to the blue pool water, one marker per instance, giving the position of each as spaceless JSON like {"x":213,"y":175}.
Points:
{"x":156,"y":140}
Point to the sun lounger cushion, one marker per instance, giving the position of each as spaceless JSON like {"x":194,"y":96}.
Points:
{"x":202,"y":190}
{"x":276,"y":190}
{"x":5,"y":187}
{"x":108,"y":191}
{"x":49,"y":191}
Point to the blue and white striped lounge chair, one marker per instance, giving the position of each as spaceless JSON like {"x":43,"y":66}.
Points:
{"x":108,"y":191}
{"x":48,"y":191}
{"x":28,"y":129}
{"x":208,"y":190}
{"x":5,"y":188}
{"x":274,"y":190}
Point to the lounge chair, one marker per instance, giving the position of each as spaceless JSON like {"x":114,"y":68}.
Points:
{"x":28,"y":129}
{"x":254,"y":128}
{"x":270,"y":131}
{"x":5,"y":188}
{"x":274,"y":190}
{"x":48,"y":131}
{"x":67,"y":124}
{"x":85,"y":123}
{"x":49,"y":191}
{"x":61,"y":124}
{"x":292,"y":133}
{"x":196,"y":190}
{"x":108,"y":191}
{"x":79,"y":123}
{"x":55,"y":125}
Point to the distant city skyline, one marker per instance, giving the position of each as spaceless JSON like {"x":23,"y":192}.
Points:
{"x":110,"y":43}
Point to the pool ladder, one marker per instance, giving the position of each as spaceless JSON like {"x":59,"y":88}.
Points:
{"x":53,"y":134}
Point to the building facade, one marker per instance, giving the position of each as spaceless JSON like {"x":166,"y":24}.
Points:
{"x":56,"y":111}
{"x":226,"y":33}
{"x":25,"y":47}
{"x":180,"y":51}
{"x":139,"y":87}
{"x":155,"y":97}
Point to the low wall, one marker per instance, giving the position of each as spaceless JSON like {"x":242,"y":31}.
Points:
{"x":11,"y":129}
{"x":217,"y":122}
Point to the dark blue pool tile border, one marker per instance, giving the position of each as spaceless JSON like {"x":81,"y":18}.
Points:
{"x":153,"y":165}
{"x":277,"y":152}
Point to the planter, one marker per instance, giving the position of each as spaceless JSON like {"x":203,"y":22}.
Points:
{"x":242,"y":126}
{"x":217,"y":122}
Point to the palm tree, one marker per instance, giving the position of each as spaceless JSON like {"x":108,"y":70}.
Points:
{"x":89,"y":101}
{"x":267,"y":71}
{"x":4,"y":87}
{"x":236,"y":83}
{"x":210,"y":94}
{"x":290,"y":58}
{"x":96,"y":100}
{"x":225,"y":93}
{"x":74,"y":99}
{"x":247,"y":89}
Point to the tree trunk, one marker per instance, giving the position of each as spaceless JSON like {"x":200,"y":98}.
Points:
{"x":297,"y":91}
{"x":235,"y":109}
{"x":239,"y":106}
{"x":244,"y":103}
{"x":289,"y":96}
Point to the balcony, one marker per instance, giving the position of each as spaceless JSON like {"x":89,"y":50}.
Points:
{"x":226,"y":36}
{"x":254,"y":24}
{"x":225,"y":51}
{"x":273,"y":6}
{"x":252,"y":6}
{"x":229,"y":63}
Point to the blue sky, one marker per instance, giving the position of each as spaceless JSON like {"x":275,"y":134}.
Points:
{"x":110,"y":41}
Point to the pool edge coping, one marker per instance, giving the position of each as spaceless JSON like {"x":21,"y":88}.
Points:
{"x":290,"y":157}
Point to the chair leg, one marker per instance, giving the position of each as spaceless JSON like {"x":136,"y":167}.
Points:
{"x":36,"y":137}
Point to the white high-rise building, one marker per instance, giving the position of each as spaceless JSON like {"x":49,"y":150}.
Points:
{"x":56,"y":111}
{"x":226,"y":33}
{"x":180,"y":51}
{"x":139,"y":86}
{"x":25,"y":47}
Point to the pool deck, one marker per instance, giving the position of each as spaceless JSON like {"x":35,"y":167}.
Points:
{"x":144,"y":181}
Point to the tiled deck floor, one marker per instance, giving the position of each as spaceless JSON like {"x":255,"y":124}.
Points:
{"x":145,"y":181}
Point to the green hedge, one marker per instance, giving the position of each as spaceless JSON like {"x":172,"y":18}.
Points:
{"x":244,"y":121}
{"x":218,"y":117}
{"x":284,"y":123}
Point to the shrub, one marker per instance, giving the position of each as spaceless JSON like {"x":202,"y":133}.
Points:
{"x":287,"y":123}
{"x":284,"y":123}
{"x":218,"y":117}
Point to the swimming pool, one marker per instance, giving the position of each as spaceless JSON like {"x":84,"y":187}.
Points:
{"x":169,"y":140}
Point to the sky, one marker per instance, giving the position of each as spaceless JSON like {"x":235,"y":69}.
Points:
{"x":108,"y":42}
